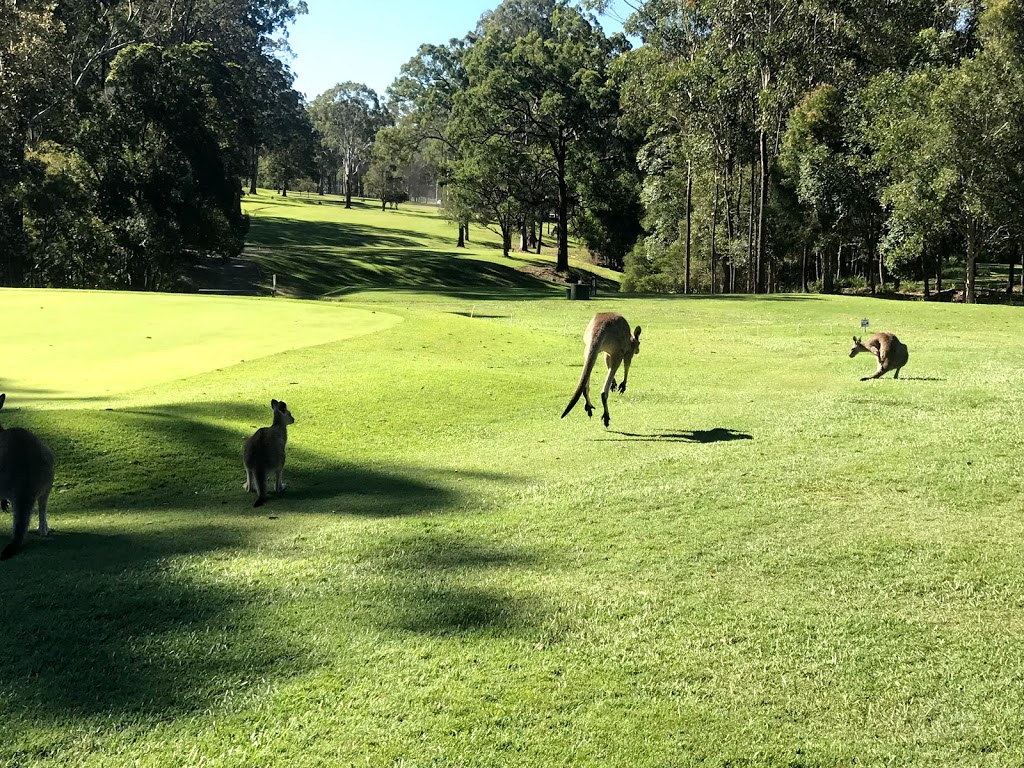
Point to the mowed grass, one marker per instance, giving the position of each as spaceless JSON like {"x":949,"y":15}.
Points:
{"x":317,"y":247}
{"x":762,"y":562}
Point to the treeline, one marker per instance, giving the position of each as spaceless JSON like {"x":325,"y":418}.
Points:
{"x":745,"y":146}
{"x":742,"y":146}
{"x":125,"y":130}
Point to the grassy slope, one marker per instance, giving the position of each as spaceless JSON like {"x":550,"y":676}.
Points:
{"x":763,"y":562}
{"x":317,"y":247}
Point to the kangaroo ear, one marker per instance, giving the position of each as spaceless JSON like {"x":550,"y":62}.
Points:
{"x":636,"y":332}
{"x":3,"y":399}
{"x":273,"y":404}
{"x":281,"y":406}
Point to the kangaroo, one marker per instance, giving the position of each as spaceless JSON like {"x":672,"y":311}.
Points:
{"x":26,"y":476}
{"x":890,"y":351}
{"x":607,"y":332}
{"x":263,"y":452}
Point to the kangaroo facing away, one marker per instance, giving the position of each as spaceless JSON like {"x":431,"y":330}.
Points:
{"x":263,"y":452}
{"x":26,"y":477}
{"x":607,"y":332}
{"x":890,"y":352}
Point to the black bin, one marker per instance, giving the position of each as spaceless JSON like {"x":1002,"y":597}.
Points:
{"x":577,"y":292}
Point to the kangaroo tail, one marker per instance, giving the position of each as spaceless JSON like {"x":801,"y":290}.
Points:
{"x":593,"y":349}
{"x":22,"y":513}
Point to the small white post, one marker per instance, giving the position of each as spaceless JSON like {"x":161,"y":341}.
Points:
{"x":274,"y":292}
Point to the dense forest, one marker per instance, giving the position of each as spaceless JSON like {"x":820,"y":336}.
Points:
{"x":718,"y":146}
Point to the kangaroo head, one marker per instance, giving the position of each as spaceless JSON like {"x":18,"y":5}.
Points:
{"x":281,"y":412}
{"x":857,"y":347}
{"x":634,"y":341}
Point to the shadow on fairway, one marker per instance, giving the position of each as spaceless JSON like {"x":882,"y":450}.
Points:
{"x":105,"y":624}
{"x":183,"y":456}
{"x":441,"y":584}
{"x":920,"y":378}
{"x":318,"y":258}
{"x":716,"y":435}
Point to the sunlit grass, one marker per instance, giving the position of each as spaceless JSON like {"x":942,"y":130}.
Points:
{"x":763,"y":562}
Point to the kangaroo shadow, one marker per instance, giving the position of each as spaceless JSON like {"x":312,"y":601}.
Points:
{"x":716,"y":435}
{"x":98,"y":625}
{"x":921,"y":378}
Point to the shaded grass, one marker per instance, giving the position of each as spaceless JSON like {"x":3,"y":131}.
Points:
{"x":317,"y":247}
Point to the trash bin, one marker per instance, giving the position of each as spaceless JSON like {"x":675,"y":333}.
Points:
{"x":577,"y":292}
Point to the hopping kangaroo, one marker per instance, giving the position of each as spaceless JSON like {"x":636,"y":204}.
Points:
{"x":608,"y":332}
{"x":263,"y":452}
{"x":891,"y":353}
{"x":26,"y":476}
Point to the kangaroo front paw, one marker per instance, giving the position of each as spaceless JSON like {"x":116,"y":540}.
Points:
{"x":622,"y":387}
{"x":590,"y":410}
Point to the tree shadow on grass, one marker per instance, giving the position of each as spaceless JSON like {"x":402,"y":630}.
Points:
{"x":183,"y":456}
{"x":99,"y":624}
{"x":715,"y":435}
{"x":440,"y":584}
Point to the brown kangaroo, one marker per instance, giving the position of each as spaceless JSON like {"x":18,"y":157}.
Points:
{"x":891,"y":353}
{"x":26,"y":477}
{"x":263,"y":452}
{"x":607,"y":332}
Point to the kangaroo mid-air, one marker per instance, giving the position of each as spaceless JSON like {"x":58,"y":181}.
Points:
{"x":26,"y":477}
{"x":608,"y":332}
{"x":889,"y":351}
{"x":263,"y":453}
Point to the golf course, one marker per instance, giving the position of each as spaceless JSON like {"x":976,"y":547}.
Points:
{"x":762,"y":561}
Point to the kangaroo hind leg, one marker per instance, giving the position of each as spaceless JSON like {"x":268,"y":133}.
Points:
{"x":22,"y":512}
{"x":613,"y":366}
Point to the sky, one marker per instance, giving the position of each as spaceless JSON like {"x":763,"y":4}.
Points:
{"x":368,"y":41}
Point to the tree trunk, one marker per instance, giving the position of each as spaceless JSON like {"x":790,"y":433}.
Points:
{"x":750,"y":233}
{"x":462,"y":237}
{"x":803,"y":271}
{"x":562,"y":260}
{"x":826,"y":270}
{"x":13,"y":245}
{"x":540,"y":235}
{"x":1009,"y":281}
{"x":524,"y":238}
{"x":1021,"y":249}
{"x":761,"y":210}
{"x":971,"y":268}
{"x":689,"y":207}
{"x":506,"y":240}
{"x":881,"y":272}
{"x":254,"y":168}
{"x":714,"y":228}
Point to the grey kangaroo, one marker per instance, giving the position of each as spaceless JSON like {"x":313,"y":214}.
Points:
{"x":26,"y":477}
{"x":608,"y":332}
{"x":890,"y":352}
{"x":263,"y":452}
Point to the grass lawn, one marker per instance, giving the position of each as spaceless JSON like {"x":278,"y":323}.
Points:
{"x":762,"y":562}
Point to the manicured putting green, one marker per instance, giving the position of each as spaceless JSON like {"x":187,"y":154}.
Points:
{"x":75,"y":345}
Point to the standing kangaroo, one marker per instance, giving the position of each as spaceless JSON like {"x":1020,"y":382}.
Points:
{"x":26,"y":476}
{"x":608,"y":332}
{"x":890,"y":351}
{"x":263,"y":452}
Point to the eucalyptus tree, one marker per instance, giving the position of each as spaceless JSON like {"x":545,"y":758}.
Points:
{"x":539,"y":79}
{"x":347,"y":118}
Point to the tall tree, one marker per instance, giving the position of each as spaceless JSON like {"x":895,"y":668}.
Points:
{"x":347,"y":117}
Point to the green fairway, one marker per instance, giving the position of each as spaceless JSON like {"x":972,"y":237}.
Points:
{"x":318,"y":247}
{"x":762,"y":562}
